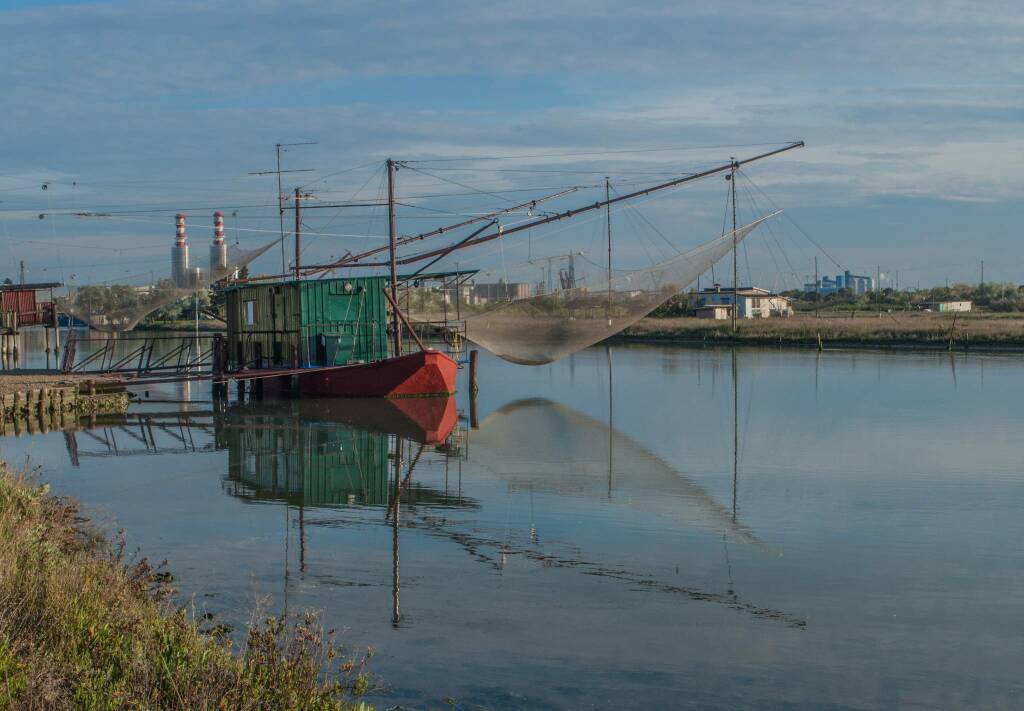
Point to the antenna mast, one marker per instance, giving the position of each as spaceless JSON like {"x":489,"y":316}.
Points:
{"x":280,"y":192}
{"x":395,"y":325}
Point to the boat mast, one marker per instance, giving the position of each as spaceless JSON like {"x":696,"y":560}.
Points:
{"x":395,"y":326}
{"x":735,"y":270}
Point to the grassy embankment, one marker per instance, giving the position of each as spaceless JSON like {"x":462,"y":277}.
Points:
{"x":82,"y":628}
{"x":837,"y":330}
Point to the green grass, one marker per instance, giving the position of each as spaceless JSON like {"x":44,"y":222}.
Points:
{"x":853,"y":328}
{"x":81,"y":628}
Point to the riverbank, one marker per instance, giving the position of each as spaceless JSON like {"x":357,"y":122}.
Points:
{"x":982,"y":331}
{"x":45,"y":398}
{"x":81,"y":626}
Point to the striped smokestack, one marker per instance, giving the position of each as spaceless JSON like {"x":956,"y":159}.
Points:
{"x":218,"y":250}
{"x":179,"y":254}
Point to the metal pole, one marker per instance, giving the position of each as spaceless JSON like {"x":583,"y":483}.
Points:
{"x":280,"y":209}
{"x":199,"y":353}
{"x":395,"y":325}
{"x":608,"y":197}
{"x":298,"y":231}
{"x":817,"y":286}
{"x":735,"y":269}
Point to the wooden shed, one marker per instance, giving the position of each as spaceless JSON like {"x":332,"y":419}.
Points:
{"x":307,"y":323}
{"x":20,"y":305}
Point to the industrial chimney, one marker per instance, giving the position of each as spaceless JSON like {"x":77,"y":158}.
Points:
{"x":179,"y":254}
{"x":218,"y":250}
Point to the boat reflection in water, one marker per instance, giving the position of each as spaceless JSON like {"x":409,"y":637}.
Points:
{"x":339,"y":460}
{"x":328,"y":452}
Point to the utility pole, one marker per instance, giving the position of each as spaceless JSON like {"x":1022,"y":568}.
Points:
{"x":735,"y":269}
{"x":392,"y":247}
{"x":817,"y":286}
{"x":608,"y":197}
{"x":22,"y":268}
{"x":280,"y":208}
{"x":298,"y":230}
{"x":982,"y":272}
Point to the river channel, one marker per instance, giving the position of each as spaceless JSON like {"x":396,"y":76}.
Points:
{"x":631,"y":527}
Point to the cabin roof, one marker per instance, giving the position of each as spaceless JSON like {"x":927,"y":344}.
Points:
{"x":246,"y":284}
{"x":36,"y":286}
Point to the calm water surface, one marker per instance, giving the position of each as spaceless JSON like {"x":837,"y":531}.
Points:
{"x":628,"y":527}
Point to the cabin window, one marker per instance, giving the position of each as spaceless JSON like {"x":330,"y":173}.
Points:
{"x":250,"y":313}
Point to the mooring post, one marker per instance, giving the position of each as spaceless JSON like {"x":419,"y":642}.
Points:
{"x":218,"y":367}
{"x":473,"y":387}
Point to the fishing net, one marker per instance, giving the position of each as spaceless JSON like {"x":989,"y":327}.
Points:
{"x":121,"y":307}
{"x":541,"y":311}
{"x":572,"y":453}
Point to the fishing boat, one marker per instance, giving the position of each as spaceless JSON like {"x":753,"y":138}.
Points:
{"x":347,"y":336}
{"x":334,"y":337}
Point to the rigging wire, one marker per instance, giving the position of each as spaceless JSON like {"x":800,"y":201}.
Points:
{"x":648,"y":222}
{"x":461,"y":185}
{"x":341,"y":172}
{"x":771,"y":233}
{"x":796,"y":224}
{"x":248,"y":229}
{"x":596,"y":153}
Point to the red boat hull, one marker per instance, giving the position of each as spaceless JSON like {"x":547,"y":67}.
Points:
{"x":424,"y":374}
{"x":422,"y":419}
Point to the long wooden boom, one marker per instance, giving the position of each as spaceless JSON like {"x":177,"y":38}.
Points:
{"x":350,"y":260}
{"x":501,"y":232}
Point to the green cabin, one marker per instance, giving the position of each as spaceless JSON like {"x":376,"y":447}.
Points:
{"x":314,"y":322}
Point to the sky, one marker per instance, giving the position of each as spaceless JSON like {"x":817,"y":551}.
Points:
{"x":911,"y":113}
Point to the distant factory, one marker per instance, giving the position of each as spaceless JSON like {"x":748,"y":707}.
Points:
{"x":182,"y":273}
{"x":856,"y":284}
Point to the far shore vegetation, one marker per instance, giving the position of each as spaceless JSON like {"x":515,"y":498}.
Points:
{"x":83,"y":626}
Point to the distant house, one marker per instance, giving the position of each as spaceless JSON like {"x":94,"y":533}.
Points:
{"x":717,"y":312}
{"x":750,"y":302}
{"x":950,"y":306}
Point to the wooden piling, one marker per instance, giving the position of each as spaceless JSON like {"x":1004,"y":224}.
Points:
{"x":473,"y":387}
